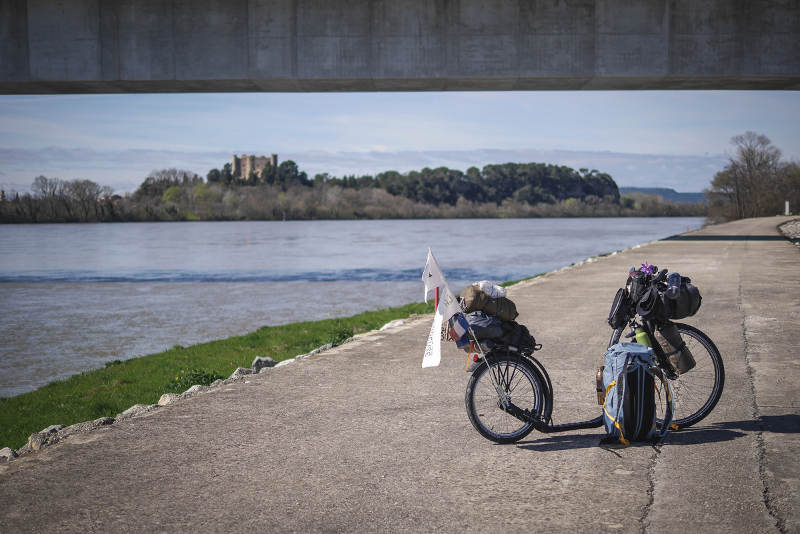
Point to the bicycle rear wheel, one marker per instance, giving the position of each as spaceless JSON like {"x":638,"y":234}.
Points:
{"x":519,"y":385}
{"x":697,"y":391}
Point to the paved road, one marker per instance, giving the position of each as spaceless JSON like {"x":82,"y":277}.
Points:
{"x":362,"y":439}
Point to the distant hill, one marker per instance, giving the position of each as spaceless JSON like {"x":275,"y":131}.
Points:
{"x":665,"y":193}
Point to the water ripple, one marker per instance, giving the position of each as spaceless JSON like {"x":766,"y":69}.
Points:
{"x":185,"y":276}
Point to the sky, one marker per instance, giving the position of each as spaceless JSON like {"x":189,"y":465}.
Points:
{"x":676,"y":139}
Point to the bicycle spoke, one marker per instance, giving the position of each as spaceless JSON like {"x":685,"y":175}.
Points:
{"x":518,"y":385}
{"x":520,"y":380}
{"x":511,"y":378}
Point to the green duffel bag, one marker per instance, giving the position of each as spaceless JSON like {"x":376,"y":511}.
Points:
{"x":474,"y":299}
{"x":477,"y":300}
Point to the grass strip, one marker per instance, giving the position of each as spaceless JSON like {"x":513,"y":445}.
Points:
{"x":513,"y":282}
{"x":121,"y":384}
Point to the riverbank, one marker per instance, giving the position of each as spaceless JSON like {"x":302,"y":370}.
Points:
{"x":109,"y":391}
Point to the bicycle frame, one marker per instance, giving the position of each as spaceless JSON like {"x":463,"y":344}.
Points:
{"x":544,"y":425}
{"x":649,"y":326}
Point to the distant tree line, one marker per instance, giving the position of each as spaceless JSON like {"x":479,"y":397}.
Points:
{"x":529,"y":183}
{"x":756,"y":182}
{"x":286,"y":193}
{"x":56,"y":200}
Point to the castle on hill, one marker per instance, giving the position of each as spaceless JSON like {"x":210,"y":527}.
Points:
{"x":242,"y":167}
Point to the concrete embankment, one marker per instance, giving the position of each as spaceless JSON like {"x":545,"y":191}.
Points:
{"x":362,"y":439}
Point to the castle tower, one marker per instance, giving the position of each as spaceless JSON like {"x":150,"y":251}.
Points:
{"x":236,"y":166}
{"x":242,"y":166}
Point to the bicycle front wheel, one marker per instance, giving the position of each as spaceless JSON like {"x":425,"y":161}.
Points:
{"x":497,"y":393}
{"x":697,"y":391}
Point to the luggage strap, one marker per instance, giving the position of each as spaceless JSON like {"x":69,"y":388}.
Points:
{"x":676,"y":351}
{"x":620,"y":394}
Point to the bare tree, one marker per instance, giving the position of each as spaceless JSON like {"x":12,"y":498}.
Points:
{"x":44,"y":187}
{"x":47,"y":191}
{"x":86,"y":194}
{"x":748,"y":185}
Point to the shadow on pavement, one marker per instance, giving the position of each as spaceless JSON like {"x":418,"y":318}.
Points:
{"x":715,"y":433}
{"x":725,"y":238}
{"x":782,"y":424}
{"x":689,"y":436}
{"x":695,"y":436}
{"x":562,"y":442}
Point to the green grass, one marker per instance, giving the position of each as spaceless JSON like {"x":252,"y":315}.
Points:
{"x":512,"y":282}
{"x":121,"y":384}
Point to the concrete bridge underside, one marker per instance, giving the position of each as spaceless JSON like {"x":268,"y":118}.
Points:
{"x":109,"y":46}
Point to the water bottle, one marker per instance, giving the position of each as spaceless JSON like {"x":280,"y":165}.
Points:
{"x":601,"y":391}
{"x":673,"y":286}
{"x":643,"y":338}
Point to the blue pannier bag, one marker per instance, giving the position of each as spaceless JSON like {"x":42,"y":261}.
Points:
{"x":629,"y":410}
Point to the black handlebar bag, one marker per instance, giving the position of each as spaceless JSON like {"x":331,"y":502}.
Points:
{"x":687,"y":303}
{"x":620,"y":309}
{"x":653,"y":305}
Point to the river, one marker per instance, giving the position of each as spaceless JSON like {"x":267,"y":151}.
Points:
{"x":74,"y":296}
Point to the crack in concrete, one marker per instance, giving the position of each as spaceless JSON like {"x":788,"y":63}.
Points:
{"x":761,"y":451}
{"x":644,"y":522}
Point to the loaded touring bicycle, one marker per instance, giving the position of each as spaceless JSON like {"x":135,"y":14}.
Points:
{"x":510,"y":394}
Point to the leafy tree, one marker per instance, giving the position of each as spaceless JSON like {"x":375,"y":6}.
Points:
{"x":320,"y":179}
{"x":206,"y":193}
{"x":289,"y":174}
{"x":157,"y":182}
{"x":269,"y":174}
{"x":173,"y":194}
{"x":214,"y":176}
{"x":227,"y":174}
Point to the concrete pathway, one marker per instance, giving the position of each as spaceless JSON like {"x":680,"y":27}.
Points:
{"x":362,"y":439}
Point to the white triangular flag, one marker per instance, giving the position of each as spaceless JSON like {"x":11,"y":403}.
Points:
{"x":432,"y":276}
{"x":448,"y":306}
{"x":433,"y":349}
{"x":448,"y":303}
